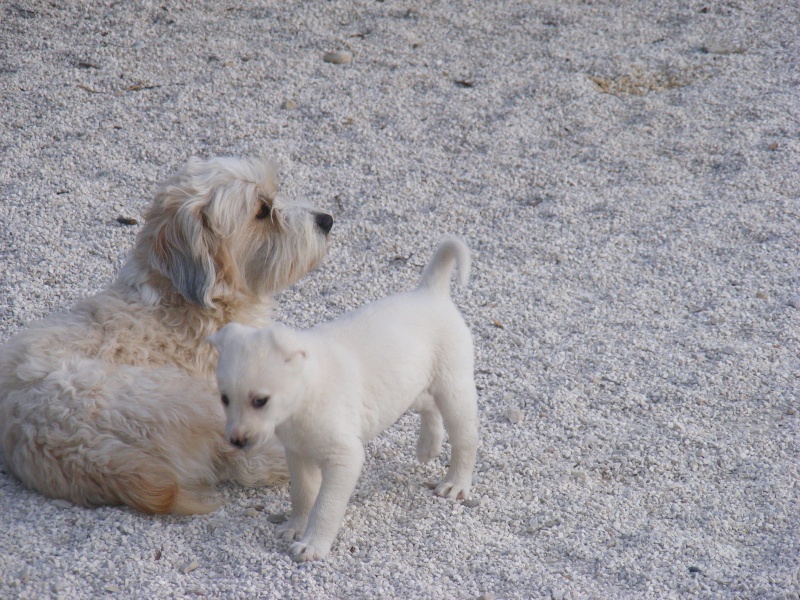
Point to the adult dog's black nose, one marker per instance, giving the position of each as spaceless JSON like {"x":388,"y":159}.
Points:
{"x":324,"y":221}
{"x":239,"y":442}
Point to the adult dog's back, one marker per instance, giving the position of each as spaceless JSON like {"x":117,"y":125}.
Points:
{"x":114,"y":401}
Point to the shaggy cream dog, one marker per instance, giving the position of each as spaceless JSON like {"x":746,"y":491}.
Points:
{"x":328,"y":390}
{"x":114,"y":402}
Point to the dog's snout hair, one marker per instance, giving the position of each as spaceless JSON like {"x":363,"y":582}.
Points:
{"x":324,"y":221}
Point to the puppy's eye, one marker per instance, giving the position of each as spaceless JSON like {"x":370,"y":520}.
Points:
{"x":264,"y":211}
{"x":260,"y":402}
{"x":225,"y":400}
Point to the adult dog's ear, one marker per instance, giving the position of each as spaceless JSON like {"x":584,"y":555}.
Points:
{"x":181,"y":249}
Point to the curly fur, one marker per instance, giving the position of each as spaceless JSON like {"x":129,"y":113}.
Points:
{"x":114,"y":402}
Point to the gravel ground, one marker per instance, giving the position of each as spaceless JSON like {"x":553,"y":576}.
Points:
{"x":626,"y":174}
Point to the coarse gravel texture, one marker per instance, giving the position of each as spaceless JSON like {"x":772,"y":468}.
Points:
{"x":626,"y":174}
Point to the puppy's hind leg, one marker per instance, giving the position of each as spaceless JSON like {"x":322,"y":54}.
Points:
{"x":431,"y":428}
{"x":456,"y":398}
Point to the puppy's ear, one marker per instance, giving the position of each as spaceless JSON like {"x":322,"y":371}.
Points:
{"x":287,"y":342}
{"x":216,"y":339}
{"x":181,"y":250}
{"x":220,"y":339}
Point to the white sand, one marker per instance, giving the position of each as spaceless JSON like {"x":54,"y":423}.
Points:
{"x":626,"y":174}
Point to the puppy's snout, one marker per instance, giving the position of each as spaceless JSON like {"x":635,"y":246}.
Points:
{"x":239,"y":441}
{"x":324,"y":221}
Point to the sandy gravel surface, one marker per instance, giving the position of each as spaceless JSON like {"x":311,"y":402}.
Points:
{"x":626,"y":174}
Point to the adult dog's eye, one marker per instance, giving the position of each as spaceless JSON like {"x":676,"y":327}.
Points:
{"x":225,"y":400}
{"x":264,"y":211}
{"x":260,"y":402}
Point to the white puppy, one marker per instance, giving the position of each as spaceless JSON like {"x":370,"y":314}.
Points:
{"x":328,"y":390}
{"x":114,"y":401}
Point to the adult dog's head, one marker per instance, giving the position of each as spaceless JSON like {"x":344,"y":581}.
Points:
{"x":218,"y":234}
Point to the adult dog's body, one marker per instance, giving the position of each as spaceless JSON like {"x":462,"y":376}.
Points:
{"x":114,"y":402}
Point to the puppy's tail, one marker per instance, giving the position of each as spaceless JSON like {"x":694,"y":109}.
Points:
{"x":450,"y":253}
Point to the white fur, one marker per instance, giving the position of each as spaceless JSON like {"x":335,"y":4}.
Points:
{"x":336,"y":386}
{"x":114,"y":402}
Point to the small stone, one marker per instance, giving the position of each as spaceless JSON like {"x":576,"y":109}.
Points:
{"x":472,"y":502}
{"x":61,"y":503}
{"x":794,"y":302}
{"x":561,"y":259}
{"x":250,"y":512}
{"x":762,"y":295}
{"x":289,"y":105}
{"x":189,"y":567}
{"x":59,"y":586}
{"x":515,"y":415}
{"x":111,"y":588}
{"x":486,"y":596}
{"x":340,"y":57}
{"x":277,"y":518}
{"x":723,"y":48}
{"x":579,"y":477}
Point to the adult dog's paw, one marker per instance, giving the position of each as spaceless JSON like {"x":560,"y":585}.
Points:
{"x":308,"y":551}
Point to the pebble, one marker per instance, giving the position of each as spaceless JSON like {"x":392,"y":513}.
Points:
{"x":794,"y":302}
{"x":111,"y":588}
{"x":250,"y":512}
{"x":189,"y":567}
{"x":61,"y":503}
{"x":723,"y":48}
{"x":277,"y":518}
{"x":762,"y":295}
{"x":289,"y":105}
{"x":340,"y":57}
{"x":515,"y":415}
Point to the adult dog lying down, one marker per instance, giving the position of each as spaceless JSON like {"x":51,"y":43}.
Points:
{"x":114,"y":402}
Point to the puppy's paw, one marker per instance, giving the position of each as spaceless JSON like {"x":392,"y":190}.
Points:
{"x":290,"y":530}
{"x":308,"y":551}
{"x":453,"y":488}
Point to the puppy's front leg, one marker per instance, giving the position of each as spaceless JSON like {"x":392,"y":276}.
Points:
{"x":339,"y":476}
{"x":305,"y":478}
